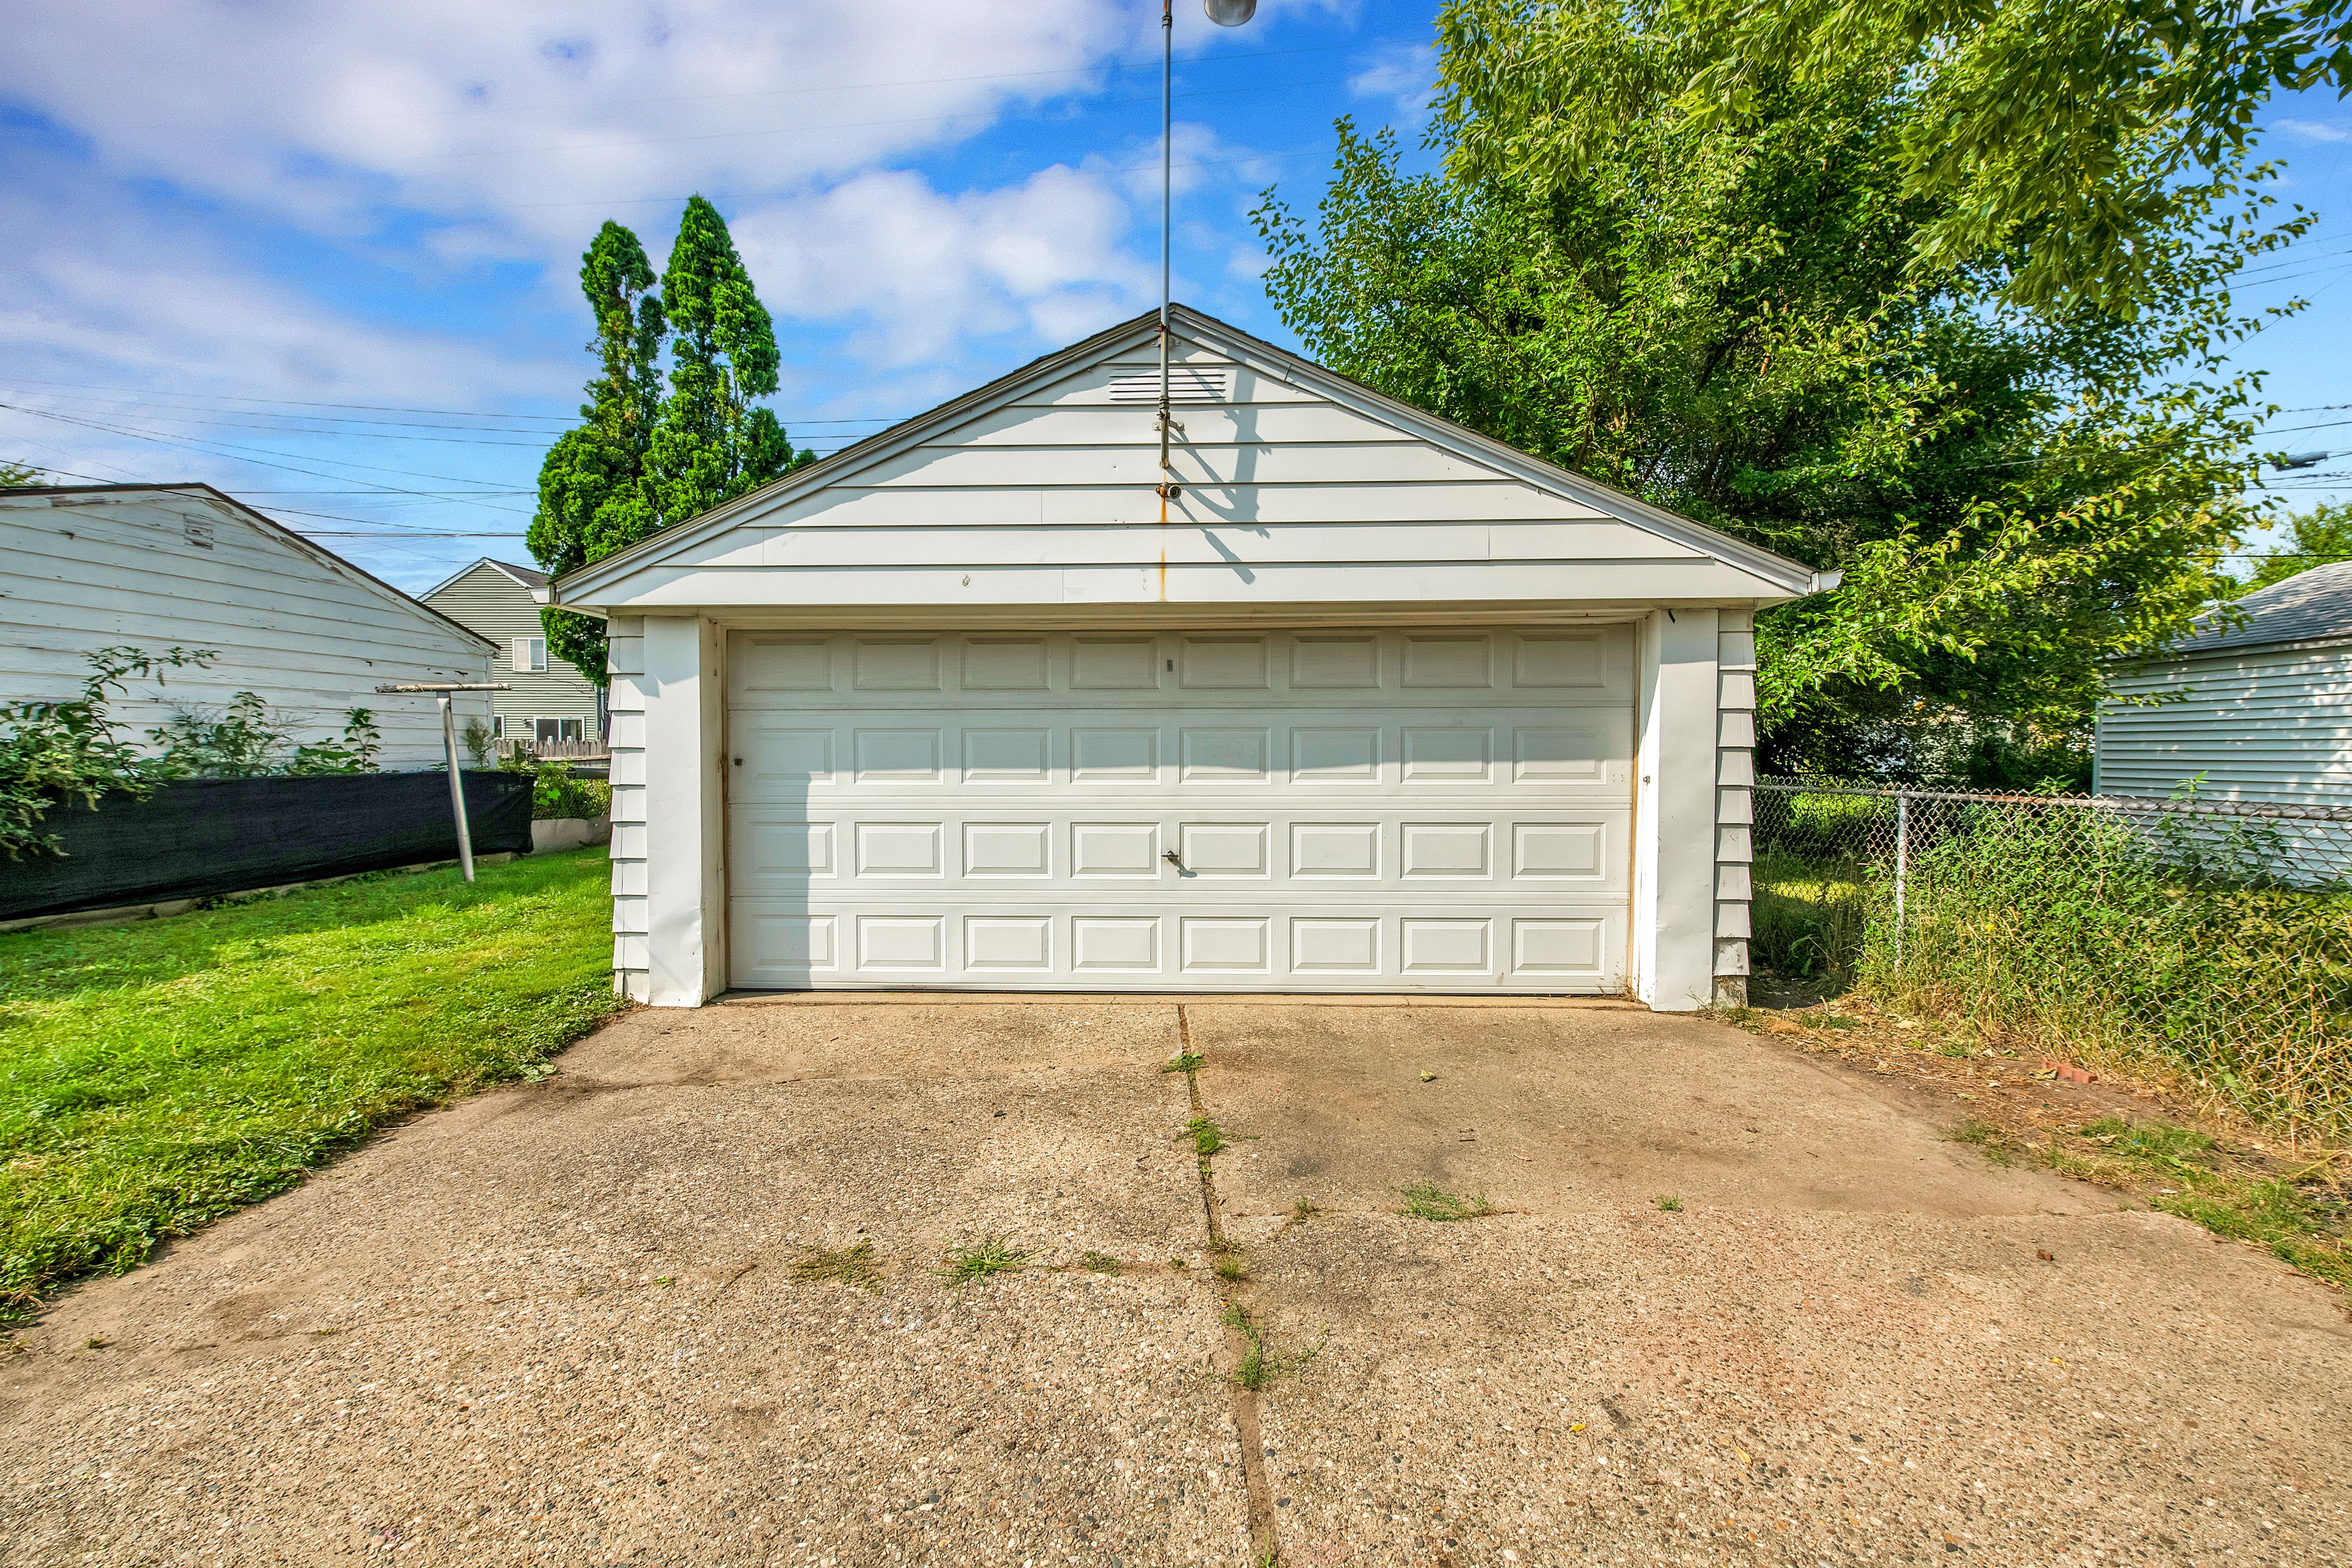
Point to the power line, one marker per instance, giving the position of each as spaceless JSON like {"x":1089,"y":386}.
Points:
{"x":387,"y":408}
{"x":235,"y":450}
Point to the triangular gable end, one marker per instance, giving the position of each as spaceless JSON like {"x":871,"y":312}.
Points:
{"x":1294,"y":482}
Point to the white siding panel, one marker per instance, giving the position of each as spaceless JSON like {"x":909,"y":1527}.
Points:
{"x":1194,"y":544}
{"x":310,"y":636}
{"x":1620,"y":583}
{"x":1028,"y":424}
{"x":632,"y":955}
{"x":2270,"y":725}
{"x":1210,"y":457}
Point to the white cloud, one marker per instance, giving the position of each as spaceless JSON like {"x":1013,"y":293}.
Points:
{"x":2313,"y":130}
{"x":913,"y":272}
{"x":524,"y":116}
{"x":1404,"y":74}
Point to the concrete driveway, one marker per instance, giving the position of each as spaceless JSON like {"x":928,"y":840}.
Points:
{"x":559,"y":1323}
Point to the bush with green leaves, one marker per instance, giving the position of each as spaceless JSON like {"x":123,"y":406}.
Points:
{"x":555,"y":791}
{"x":248,"y":740}
{"x":60,"y":753}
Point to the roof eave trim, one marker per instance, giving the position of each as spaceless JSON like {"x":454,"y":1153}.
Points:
{"x":1790,"y":577}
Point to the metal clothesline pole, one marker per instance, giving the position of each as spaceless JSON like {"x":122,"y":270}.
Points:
{"x":441,"y":693}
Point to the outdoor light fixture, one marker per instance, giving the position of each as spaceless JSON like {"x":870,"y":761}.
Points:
{"x":1224,"y":14}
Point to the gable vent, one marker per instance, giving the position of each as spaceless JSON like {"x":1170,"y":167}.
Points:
{"x":1186,"y":384}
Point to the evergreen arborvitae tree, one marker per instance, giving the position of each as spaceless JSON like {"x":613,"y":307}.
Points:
{"x":594,"y":498}
{"x":710,"y":445}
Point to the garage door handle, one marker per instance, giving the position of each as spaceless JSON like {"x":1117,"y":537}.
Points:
{"x":1172,"y":858}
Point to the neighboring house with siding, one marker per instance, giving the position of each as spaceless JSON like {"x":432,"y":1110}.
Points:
{"x":546,"y":701}
{"x":84,"y":567}
{"x":2261,"y":709}
{"x":1348,"y":697}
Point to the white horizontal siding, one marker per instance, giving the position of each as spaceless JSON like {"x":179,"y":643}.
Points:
{"x":2267,"y":725}
{"x":1334,"y":543}
{"x":1284,"y":495}
{"x":311,"y":637}
{"x":632,"y":912}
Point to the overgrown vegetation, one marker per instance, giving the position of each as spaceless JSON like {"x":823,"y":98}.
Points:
{"x":2169,"y":961}
{"x":70,"y":753}
{"x":65,"y":753}
{"x":1425,"y":1199}
{"x":153,"y":1076}
{"x":993,"y":1253}
{"x":842,"y":1265}
{"x":2169,"y":950}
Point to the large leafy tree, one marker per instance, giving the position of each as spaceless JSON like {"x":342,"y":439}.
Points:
{"x":2074,"y":134}
{"x":2320,"y":537}
{"x":592,"y":494}
{"x":712,"y":444}
{"x":1726,"y":314}
{"x":641,"y":459}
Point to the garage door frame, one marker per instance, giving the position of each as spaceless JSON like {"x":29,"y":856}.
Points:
{"x":1504,"y":903}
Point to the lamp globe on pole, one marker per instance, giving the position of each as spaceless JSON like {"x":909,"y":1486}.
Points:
{"x":1230,"y":13}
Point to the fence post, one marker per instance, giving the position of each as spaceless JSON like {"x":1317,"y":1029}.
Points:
{"x":1901,"y":865}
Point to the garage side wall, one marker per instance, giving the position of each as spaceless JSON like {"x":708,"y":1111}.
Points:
{"x":1677,"y":837}
{"x":632,"y":953}
{"x":1734,"y":815}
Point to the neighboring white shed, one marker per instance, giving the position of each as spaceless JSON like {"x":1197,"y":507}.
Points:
{"x":161,"y":566}
{"x":1370,"y":703}
{"x":2262,"y":710}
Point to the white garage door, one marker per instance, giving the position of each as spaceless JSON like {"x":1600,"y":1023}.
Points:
{"x":1318,"y":811}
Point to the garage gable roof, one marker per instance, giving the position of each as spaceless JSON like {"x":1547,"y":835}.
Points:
{"x":607,"y":582}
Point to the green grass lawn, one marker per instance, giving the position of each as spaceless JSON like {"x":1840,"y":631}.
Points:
{"x":153,"y":1076}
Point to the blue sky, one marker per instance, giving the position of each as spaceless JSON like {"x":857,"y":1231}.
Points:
{"x":323,"y":256}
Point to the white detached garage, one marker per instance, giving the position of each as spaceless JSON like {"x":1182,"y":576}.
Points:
{"x":1381,"y":705}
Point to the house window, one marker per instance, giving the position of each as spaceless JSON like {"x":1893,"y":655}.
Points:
{"x":530,"y":654}
{"x":550,"y":731}
{"x":498,"y":726}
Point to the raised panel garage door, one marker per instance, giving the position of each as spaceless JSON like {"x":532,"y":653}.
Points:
{"x":1318,"y":811}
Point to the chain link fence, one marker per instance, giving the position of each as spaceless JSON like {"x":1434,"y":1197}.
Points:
{"x":2203,"y":944}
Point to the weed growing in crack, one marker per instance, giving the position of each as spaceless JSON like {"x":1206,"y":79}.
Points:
{"x":1260,"y":1367}
{"x":1670,"y":1204}
{"x":991,"y":1254}
{"x":1207,"y":1138}
{"x":1183,"y":1061}
{"x":1425,"y":1199}
{"x":1229,"y":1261}
{"x":849,"y":1265}
{"x":1302,"y":1211}
{"x":1100,"y":1262}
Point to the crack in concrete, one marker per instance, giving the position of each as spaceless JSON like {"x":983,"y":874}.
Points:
{"x":1229,"y":1295}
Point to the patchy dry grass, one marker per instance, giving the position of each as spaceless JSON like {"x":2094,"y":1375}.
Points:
{"x":2134,"y":1138}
